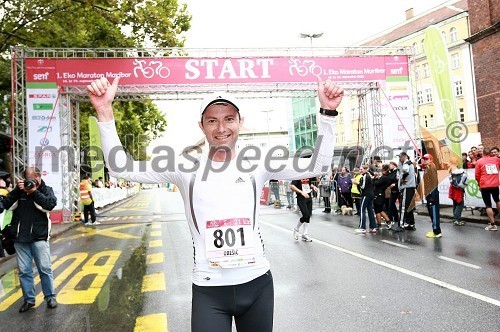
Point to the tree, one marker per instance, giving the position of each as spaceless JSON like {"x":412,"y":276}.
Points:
{"x":94,"y":24}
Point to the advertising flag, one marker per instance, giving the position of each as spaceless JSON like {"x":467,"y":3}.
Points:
{"x":95,"y":150}
{"x":437,"y":55}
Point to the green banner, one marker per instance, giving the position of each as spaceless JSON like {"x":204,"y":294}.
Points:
{"x":439,"y":63}
{"x":95,"y":150}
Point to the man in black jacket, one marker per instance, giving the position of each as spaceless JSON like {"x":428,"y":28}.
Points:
{"x":31,"y":200}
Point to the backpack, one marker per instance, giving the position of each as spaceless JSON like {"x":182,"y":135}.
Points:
{"x":459,"y":180}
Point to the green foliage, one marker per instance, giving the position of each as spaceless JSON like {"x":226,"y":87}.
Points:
{"x":94,"y":24}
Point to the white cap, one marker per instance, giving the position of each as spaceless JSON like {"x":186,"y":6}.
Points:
{"x":218,"y":98}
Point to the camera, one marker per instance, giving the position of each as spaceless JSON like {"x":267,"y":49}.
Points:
{"x":29,"y":184}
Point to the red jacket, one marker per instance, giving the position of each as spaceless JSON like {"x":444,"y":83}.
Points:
{"x":487,"y":172}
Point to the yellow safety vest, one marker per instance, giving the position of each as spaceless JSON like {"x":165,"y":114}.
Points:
{"x":85,"y":189}
{"x":355,"y":188}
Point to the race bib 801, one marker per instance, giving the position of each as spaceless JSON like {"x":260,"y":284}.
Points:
{"x":229,"y":242}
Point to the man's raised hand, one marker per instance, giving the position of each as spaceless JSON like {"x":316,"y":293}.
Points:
{"x":330,"y":94}
{"x":101,"y":94}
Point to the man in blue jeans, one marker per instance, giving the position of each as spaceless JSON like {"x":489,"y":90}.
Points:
{"x":31,"y":201}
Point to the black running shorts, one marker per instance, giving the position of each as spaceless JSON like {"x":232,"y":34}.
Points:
{"x":488,"y":194}
{"x":251,"y":304}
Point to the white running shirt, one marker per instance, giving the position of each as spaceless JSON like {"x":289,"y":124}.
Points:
{"x":221,"y":206}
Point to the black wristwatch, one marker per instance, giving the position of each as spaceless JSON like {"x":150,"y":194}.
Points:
{"x":328,"y":112}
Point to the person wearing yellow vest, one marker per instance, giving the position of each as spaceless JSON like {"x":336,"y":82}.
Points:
{"x":87,"y":201}
{"x":355,"y":192}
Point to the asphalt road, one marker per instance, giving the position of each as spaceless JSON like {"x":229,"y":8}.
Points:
{"x":132,"y":273}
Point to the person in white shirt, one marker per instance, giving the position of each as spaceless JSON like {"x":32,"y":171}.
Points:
{"x":221,"y":188}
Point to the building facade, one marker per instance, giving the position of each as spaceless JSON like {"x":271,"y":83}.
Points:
{"x":452,"y":19}
{"x":485,"y":40}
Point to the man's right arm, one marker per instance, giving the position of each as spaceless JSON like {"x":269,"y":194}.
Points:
{"x":101,"y":94}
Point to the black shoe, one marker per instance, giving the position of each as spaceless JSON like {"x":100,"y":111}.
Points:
{"x":326,"y":211}
{"x":51,"y":303}
{"x":26,"y":306}
{"x":410,"y":228}
{"x":397,"y":229}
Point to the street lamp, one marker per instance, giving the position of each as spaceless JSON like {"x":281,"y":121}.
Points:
{"x":268,"y":136}
{"x":311,"y":36}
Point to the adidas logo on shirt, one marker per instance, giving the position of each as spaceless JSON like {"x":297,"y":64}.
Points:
{"x":239,"y":180}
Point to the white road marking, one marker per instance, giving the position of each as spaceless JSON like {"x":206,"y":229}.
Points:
{"x":459,"y":262}
{"x":399,"y":269}
{"x":396,"y":244}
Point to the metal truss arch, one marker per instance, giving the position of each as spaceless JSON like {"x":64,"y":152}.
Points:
{"x":71,"y":96}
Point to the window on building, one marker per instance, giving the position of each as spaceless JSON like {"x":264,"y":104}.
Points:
{"x":417,"y":72}
{"x":444,"y":36}
{"x":453,"y":35}
{"x":415,"y":48}
{"x":458,"y":88}
{"x":425,"y":121}
{"x":340,"y":117}
{"x":455,"y":61}
{"x":427,"y":70}
{"x":336,"y":138}
{"x":431,"y":121}
{"x":422,"y":45}
{"x":428,"y":95}
{"x":342,"y":137}
{"x":461,"y":113}
{"x":420,"y":98}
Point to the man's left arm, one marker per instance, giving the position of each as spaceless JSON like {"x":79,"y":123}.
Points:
{"x":47,"y":200}
{"x":330,"y":95}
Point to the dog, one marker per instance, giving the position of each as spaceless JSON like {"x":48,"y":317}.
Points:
{"x":346,"y":211}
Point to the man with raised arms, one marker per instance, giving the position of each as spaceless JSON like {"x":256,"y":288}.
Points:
{"x":231,"y":275}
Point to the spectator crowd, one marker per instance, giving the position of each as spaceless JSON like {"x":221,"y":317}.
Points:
{"x":385,"y":194}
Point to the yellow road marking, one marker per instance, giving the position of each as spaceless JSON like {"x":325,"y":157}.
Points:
{"x":153,"y":282}
{"x":9,"y":281}
{"x":155,"y":243}
{"x":154,"y":258}
{"x":151,"y":323}
{"x":111,"y":232}
{"x":156,"y":233}
{"x":156,"y":225}
{"x":78,"y":259}
{"x":72,"y":292}
{"x":145,"y":208}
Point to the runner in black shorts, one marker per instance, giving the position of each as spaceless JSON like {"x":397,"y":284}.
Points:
{"x":486,"y":174}
{"x":221,"y":191}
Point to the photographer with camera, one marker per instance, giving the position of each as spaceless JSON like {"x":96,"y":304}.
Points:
{"x":31,"y":200}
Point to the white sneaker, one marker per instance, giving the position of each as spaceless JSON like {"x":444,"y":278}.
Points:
{"x":491,"y":227}
{"x":306,"y":238}
{"x":360,"y":231}
{"x":296,"y":234}
{"x":96,"y":223}
{"x":88,"y":223}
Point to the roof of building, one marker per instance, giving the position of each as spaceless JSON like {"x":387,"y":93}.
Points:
{"x":417,"y":23}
